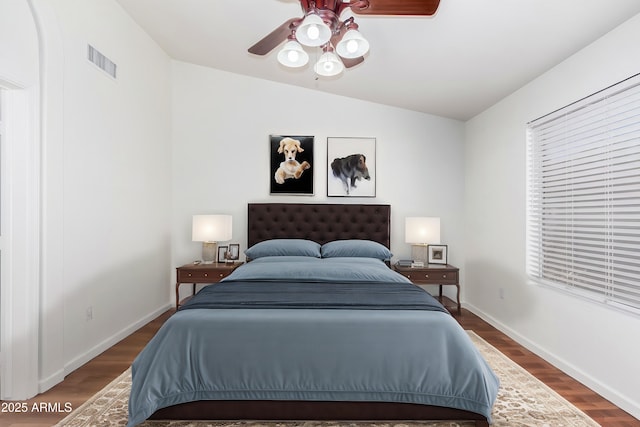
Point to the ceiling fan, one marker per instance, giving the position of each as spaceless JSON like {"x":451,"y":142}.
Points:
{"x":321,"y":26}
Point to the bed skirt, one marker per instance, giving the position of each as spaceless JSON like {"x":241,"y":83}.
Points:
{"x":269,"y":410}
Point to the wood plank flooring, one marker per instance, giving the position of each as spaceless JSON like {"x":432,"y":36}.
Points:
{"x":83,"y":383}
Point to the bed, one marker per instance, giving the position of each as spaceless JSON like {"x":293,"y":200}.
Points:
{"x":314,"y":327}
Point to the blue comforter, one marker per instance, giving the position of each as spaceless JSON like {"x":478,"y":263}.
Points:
{"x":392,"y":355}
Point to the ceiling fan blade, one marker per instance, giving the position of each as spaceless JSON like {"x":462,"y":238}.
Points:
{"x":399,"y":7}
{"x":273,"y":39}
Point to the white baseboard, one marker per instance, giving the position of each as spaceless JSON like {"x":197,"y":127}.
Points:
{"x":605,"y":391}
{"x":112,"y":340}
{"x":46,"y":383}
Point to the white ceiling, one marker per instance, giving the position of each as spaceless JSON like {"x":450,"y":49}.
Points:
{"x":468,"y":56}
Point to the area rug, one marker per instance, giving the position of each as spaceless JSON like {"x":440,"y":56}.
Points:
{"x":522,"y":401}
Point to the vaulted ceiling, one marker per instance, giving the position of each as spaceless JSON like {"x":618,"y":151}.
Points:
{"x":466,"y":57}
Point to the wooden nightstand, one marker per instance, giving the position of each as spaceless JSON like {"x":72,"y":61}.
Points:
{"x":201,"y":273}
{"x":433,"y":274}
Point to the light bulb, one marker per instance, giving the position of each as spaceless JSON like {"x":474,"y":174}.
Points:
{"x":352,"y":46}
{"x":328,"y":65}
{"x":313,"y":32}
{"x":293,"y":55}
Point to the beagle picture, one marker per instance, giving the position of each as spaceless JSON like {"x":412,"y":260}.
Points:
{"x":290,"y":168}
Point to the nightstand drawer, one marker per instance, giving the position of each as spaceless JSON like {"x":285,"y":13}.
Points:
{"x":202,"y":276}
{"x":434,"y":277}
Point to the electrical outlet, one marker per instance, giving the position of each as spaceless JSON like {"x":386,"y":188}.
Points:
{"x":501,"y":293}
{"x":89,"y":313}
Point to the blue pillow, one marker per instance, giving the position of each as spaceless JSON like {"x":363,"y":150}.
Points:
{"x":355,"y":248}
{"x":284,"y":247}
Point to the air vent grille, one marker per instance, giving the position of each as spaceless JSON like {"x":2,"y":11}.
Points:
{"x":104,"y":63}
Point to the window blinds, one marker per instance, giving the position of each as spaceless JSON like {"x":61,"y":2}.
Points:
{"x":583,"y":201}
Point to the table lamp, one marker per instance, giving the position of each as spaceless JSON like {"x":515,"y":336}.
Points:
{"x":420,"y":232}
{"x":211,"y":229}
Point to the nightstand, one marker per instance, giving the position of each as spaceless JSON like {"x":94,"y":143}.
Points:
{"x":433,"y":274}
{"x":201,"y":273}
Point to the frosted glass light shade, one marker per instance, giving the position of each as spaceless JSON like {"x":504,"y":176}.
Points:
{"x":293,"y":55}
{"x":329,"y":65}
{"x":422,"y":230}
{"x":352,"y":45}
{"x":313,"y":31}
{"x":211,"y":228}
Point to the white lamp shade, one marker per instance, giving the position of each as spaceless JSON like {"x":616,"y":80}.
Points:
{"x":352,"y":45}
{"x":211,"y":228}
{"x":292,"y":55}
{"x":313,"y":31}
{"x":422,"y":230}
{"x":328,"y":65}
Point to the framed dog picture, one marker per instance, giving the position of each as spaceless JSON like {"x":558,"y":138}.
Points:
{"x":351,"y":167}
{"x":291,"y":164}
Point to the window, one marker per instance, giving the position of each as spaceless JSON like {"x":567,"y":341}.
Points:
{"x":583,"y":196}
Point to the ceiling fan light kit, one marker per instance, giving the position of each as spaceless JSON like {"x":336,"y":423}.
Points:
{"x":321,"y":27}
{"x":313,"y":31}
{"x":328,"y":65}
{"x":293,"y":55}
{"x":352,"y":45}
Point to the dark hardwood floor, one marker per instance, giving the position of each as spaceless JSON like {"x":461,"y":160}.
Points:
{"x":83,"y":383}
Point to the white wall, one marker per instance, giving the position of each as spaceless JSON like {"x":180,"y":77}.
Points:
{"x":106,"y":187}
{"x":221,"y":126}
{"x":580,"y":337}
{"x":116,"y":177}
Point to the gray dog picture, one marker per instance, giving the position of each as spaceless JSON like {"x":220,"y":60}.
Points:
{"x":351,"y":167}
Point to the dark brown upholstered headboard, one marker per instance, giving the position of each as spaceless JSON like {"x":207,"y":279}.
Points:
{"x":318,"y":222}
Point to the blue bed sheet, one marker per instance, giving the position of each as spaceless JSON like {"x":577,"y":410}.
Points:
{"x":411,"y":356}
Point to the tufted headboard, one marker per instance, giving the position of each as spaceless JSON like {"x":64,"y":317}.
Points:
{"x":318,"y":222}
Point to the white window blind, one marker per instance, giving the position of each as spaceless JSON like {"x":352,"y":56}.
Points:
{"x":583,"y":201}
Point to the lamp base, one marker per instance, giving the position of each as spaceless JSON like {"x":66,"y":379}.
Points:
{"x":209,"y":252}
{"x":419,"y":253}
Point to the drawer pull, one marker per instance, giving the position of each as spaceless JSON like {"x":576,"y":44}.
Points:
{"x":189,"y":274}
{"x":221,"y":274}
{"x":444,"y":276}
{"x":426,"y":276}
{"x":206,"y":275}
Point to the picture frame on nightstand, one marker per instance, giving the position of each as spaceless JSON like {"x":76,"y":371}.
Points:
{"x":234,"y":252}
{"x":222,"y":253}
{"x":437,"y":254}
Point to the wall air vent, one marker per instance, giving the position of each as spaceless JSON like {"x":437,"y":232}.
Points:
{"x":104,"y":63}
